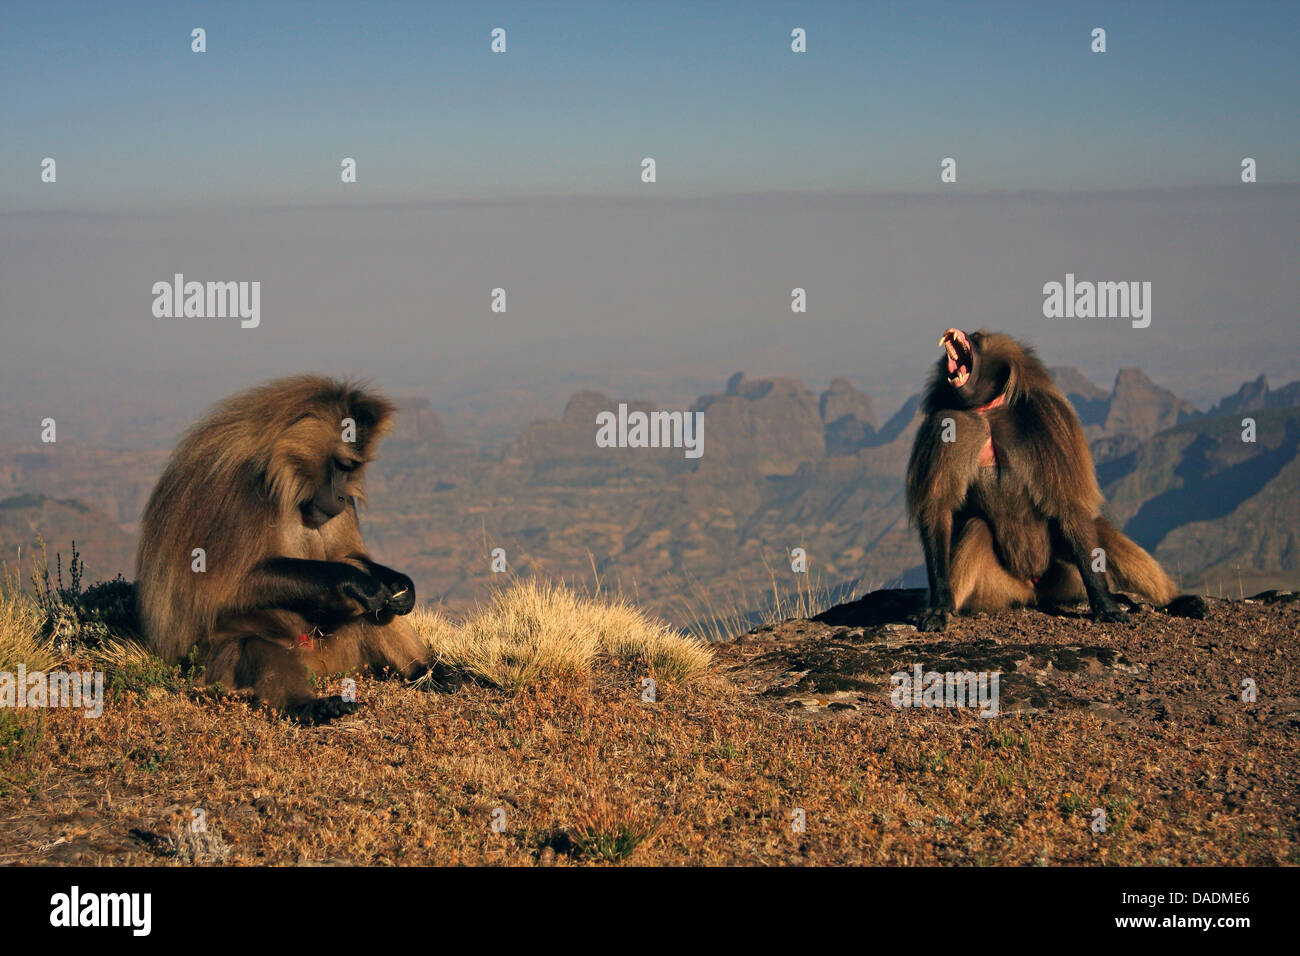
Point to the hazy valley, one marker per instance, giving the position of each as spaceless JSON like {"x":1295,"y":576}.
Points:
{"x":783,"y":467}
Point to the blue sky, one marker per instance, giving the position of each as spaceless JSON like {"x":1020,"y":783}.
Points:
{"x":775,"y":170}
{"x":711,"y":90}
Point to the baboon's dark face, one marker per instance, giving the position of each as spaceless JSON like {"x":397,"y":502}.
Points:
{"x":331,"y":495}
{"x":974,"y":377}
{"x":316,"y":463}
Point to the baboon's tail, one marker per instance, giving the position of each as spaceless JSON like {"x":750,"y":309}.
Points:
{"x":1131,"y":569}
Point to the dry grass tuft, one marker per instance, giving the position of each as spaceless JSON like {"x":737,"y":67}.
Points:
{"x":124,"y":653}
{"x":20,"y":629}
{"x":534,"y":630}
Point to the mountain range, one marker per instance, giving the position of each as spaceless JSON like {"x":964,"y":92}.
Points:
{"x":783,"y":468}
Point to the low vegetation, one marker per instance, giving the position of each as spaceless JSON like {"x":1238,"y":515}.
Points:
{"x":546,"y":752}
{"x":529,"y":631}
{"x":533,"y":630}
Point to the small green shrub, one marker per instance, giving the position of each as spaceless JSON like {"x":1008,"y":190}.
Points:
{"x":20,"y":735}
{"x":74,"y":618}
{"x":609,"y":845}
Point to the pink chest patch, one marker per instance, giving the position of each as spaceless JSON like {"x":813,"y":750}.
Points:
{"x":989,"y":452}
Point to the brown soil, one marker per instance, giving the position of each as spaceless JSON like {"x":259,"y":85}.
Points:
{"x":1143,"y":721}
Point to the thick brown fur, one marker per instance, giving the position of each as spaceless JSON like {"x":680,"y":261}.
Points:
{"x":1022,"y":528}
{"x":236,"y":486}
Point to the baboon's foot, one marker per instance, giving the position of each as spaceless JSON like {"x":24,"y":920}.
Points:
{"x":932,"y":620}
{"x":321,"y":710}
{"x":1110,"y":615}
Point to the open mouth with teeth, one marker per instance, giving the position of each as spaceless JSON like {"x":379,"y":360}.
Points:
{"x":955,"y":343}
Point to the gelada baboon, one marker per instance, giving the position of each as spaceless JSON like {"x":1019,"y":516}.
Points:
{"x":267,"y":487}
{"x":1002,"y":488}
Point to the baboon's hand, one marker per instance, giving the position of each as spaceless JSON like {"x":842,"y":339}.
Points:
{"x":1110,"y":615}
{"x":932,"y":619}
{"x":369,"y":592}
{"x":401,"y":588}
{"x":324,"y":709}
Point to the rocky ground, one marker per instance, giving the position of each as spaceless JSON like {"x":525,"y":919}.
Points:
{"x":1114,"y":744}
{"x":1162,"y":669}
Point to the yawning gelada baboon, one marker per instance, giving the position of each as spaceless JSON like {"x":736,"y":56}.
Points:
{"x":267,"y":487}
{"x":1002,"y":488}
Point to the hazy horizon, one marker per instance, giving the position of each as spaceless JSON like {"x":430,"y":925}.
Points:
{"x":522,"y":171}
{"x":645,"y":297}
